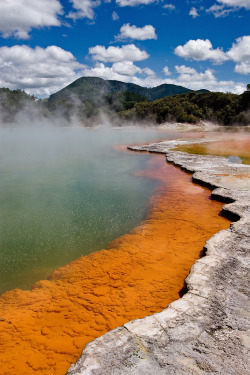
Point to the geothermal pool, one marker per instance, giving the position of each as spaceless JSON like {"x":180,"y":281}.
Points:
{"x":64,"y":193}
{"x":59,"y":181}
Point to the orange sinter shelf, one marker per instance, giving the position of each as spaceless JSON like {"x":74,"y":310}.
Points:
{"x":43,"y":331}
{"x":237,"y":147}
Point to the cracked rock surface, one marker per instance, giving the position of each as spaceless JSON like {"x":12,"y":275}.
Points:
{"x":207,"y":330}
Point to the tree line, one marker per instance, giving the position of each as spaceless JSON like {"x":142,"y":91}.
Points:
{"x":222,"y":108}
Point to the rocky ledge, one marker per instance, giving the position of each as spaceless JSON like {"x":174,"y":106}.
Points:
{"x":207,"y":330}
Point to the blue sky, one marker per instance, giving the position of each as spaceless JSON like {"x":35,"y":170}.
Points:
{"x":47,"y":44}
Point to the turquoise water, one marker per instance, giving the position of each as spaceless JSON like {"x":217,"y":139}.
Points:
{"x":64,"y":193}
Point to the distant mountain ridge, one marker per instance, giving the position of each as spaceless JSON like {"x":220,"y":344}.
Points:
{"x":94,"y":88}
{"x":87,"y":99}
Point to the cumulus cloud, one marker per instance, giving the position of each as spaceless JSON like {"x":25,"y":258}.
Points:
{"x":39,"y":71}
{"x":243,"y":68}
{"x":240,"y":50}
{"x":138,"y":33}
{"x":240,"y":53}
{"x":166,"y":71}
{"x":102,"y":71}
{"x":195,"y":80}
{"x":113,"y":72}
{"x":190,"y":78}
{"x":19,"y":17}
{"x":84,"y":9}
{"x":201,"y":50}
{"x":183,"y":69}
{"x":128,"y":52}
{"x":115,"y":16}
{"x":148,"y":72}
{"x":126,"y":68}
{"x":134,"y":3}
{"x":193,"y":12}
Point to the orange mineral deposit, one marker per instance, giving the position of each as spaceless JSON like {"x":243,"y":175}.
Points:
{"x":237,"y":147}
{"x":43,"y":331}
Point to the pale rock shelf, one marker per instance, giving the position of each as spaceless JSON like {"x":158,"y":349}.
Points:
{"x":207,"y":330}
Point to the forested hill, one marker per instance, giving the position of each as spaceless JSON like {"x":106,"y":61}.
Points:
{"x":96,"y":89}
{"x":87,"y":98}
{"x":222,"y":108}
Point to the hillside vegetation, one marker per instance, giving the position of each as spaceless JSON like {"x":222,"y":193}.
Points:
{"x":225,"y":109}
{"x":88,"y":97}
{"x":12,"y":102}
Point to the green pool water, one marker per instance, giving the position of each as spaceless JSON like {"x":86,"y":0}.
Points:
{"x":64,"y":193}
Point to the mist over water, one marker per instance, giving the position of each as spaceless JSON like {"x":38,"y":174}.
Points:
{"x":64,"y":193}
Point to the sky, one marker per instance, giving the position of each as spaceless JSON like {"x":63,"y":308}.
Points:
{"x":47,"y":44}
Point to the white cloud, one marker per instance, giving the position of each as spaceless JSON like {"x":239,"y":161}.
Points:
{"x":240,"y":53}
{"x":134,"y":3}
{"x":201,"y":50}
{"x":190,"y":78}
{"x":166,"y":71}
{"x":195,"y":81}
{"x":148,"y":72}
{"x":243,"y":68}
{"x":115,"y":16}
{"x":128,"y":52}
{"x":38,"y":71}
{"x":183,"y":69}
{"x":138,"y":33}
{"x":227,"y":6}
{"x":240,"y":50}
{"x":236,"y":3}
{"x":126,"y":68}
{"x":193,"y":12}
{"x":169,"y":6}
{"x":220,"y":10}
{"x":84,"y":9}
{"x":102,"y":71}
{"x":19,"y":17}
